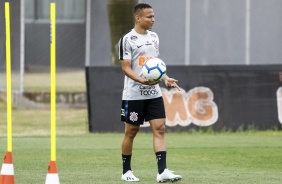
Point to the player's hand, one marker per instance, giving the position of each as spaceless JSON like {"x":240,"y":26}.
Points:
{"x":171,"y":83}
{"x":147,"y":82}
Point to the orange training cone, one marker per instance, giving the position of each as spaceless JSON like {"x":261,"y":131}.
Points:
{"x":7,"y":170}
{"x":52,"y":176}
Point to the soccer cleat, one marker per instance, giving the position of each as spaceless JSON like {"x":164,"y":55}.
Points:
{"x":168,"y":175}
{"x":128,"y":176}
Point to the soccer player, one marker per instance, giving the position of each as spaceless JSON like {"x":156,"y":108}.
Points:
{"x":142,"y":99}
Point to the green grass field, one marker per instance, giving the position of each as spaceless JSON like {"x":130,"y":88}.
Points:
{"x":82,"y":157}
{"x":200,"y":158}
{"x":95,"y":158}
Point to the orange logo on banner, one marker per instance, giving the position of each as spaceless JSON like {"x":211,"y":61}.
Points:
{"x":196,"y":106}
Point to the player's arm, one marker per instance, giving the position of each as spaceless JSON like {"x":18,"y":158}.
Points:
{"x":127,"y":70}
{"x":170,"y":82}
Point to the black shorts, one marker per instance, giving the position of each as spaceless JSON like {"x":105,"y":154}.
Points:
{"x":136,"y":111}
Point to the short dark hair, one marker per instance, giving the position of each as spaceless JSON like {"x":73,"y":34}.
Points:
{"x":140,"y":6}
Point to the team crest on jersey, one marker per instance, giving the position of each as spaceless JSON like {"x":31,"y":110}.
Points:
{"x":156,"y":45}
{"x":133,"y":37}
{"x":133,"y":116}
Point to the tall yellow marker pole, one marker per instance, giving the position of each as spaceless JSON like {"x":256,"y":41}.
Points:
{"x":52,"y":176}
{"x":8,"y":78}
{"x":53,"y":81}
{"x":7,"y":170}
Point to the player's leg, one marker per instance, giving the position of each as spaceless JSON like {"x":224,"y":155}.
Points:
{"x":132,"y":114}
{"x":156,"y":117}
{"x":158,"y":130}
{"x":129,"y":134}
{"x":126,"y":147}
{"x":127,"y":144}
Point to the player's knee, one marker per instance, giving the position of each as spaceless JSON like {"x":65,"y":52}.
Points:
{"x":132,"y":133}
{"x":161,"y":129}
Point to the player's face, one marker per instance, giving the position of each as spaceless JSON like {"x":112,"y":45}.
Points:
{"x":147,"y":18}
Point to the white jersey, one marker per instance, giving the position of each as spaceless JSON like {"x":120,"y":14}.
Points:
{"x":138,"y":48}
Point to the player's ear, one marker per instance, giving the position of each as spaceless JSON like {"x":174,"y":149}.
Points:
{"x":137,"y":18}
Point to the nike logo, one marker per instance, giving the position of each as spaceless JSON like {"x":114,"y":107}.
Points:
{"x":138,"y":46}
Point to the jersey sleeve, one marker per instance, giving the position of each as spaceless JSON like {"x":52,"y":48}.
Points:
{"x":124,"y":48}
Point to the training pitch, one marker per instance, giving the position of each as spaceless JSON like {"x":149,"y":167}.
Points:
{"x":86,"y":158}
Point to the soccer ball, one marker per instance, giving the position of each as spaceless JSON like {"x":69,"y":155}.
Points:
{"x":154,"y":69}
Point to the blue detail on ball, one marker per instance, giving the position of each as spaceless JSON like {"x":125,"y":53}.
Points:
{"x":155,"y":67}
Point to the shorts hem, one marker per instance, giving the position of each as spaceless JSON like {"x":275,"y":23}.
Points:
{"x":135,"y":124}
